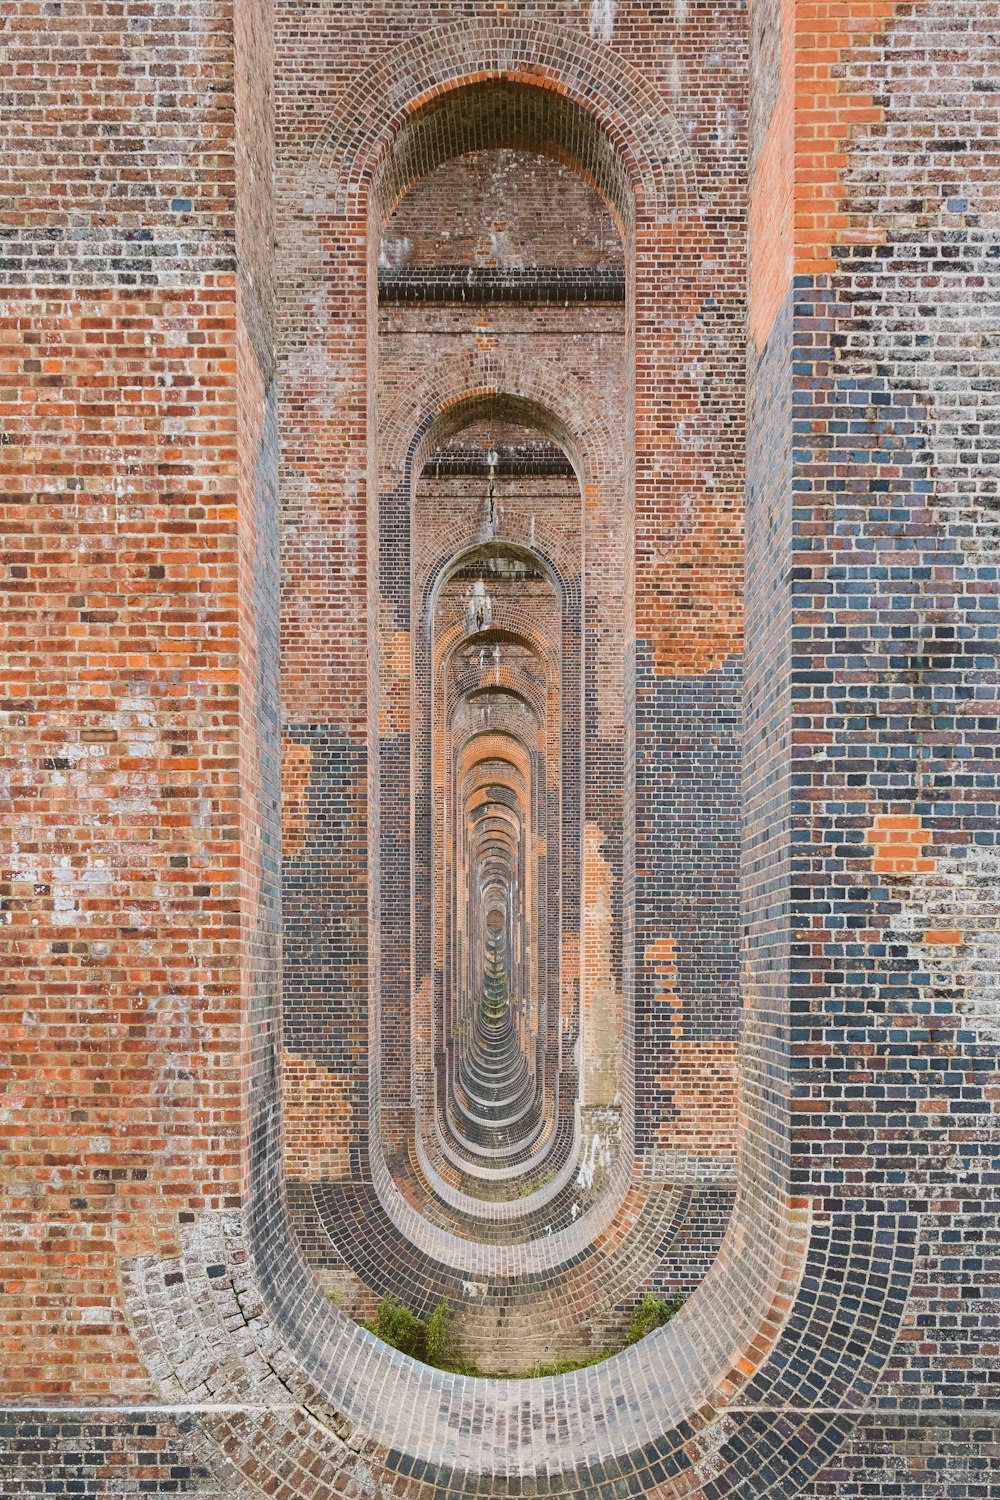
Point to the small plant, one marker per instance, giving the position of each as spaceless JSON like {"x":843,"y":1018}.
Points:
{"x":652,"y":1312}
{"x":428,"y":1341}
{"x":394,"y":1324}
{"x":437,"y":1337}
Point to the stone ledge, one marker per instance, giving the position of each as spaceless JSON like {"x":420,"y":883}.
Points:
{"x":482,"y":284}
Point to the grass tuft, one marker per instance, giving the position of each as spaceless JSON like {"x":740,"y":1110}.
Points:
{"x":566,"y":1366}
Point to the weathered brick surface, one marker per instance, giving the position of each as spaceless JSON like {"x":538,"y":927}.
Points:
{"x":831,"y":1200}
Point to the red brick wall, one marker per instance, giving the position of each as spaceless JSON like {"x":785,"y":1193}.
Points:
{"x":122,"y":602}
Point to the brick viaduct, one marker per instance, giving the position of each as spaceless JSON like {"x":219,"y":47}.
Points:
{"x":501,"y":592}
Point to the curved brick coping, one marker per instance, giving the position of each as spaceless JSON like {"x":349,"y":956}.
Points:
{"x":555,"y":1143}
{"x":477,"y":1160}
{"x":543,"y":1212}
{"x":439,"y":1148}
{"x":526,"y":1112}
{"x":499,"y":1115}
{"x":468,"y":1154}
{"x":553,"y":1246}
{"x":796,"y":1319}
{"x":518,"y":1104}
{"x":507,"y":1209}
{"x":441,"y":1137}
{"x":237,"y":1322}
{"x":476,"y":1260}
{"x":540,"y":1214}
{"x":344,"y":1224}
{"x":507,"y":1428}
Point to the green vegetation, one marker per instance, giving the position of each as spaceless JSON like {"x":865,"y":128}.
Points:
{"x":438,"y":1337}
{"x":651,"y":1313}
{"x":394,"y":1324}
{"x":567,"y":1366}
{"x":430,"y":1340}
{"x":535,"y":1186}
{"x":496,"y":989}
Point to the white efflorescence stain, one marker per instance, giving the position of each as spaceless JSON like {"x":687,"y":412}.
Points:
{"x":681,"y":12}
{"x":602,"y":19}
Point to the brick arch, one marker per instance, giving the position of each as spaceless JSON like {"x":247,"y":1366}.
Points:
{"x":491,"y":113}
{"x":352,"y":149}
{"x":545,"y":546}
{"x":406,"y":437}
{"x":512,"y":687}
{"x":498,"y":756}
{"x":493,"y":745}
{"x":536,"y":406}
{"x":406,"y":445}
{"x":473,"y":685}
{"x":192,"y":1280}
{"x":508,"y":627}
{"x":452,"y":683}
{"x":734,"y":1315}
{"x":505,"y":690}
{"x":446,"y":564}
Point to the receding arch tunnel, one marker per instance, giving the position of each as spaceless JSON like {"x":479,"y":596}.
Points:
{"x":496,"y":622}
{"x":520,"y":1023}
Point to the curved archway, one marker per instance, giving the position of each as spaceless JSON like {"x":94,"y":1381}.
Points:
{"x":628,"y":110}
{"x":648,"y":470}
